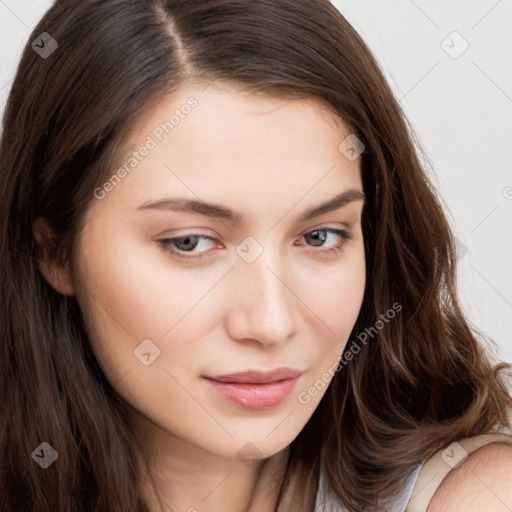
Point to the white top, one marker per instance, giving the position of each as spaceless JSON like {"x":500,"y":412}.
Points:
{"x":328,"y":503}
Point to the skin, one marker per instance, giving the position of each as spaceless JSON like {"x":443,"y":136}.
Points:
{"x":295,"y":305}
{"x":483,"y":482}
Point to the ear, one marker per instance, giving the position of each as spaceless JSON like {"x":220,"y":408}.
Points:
{"x":50,"y":261}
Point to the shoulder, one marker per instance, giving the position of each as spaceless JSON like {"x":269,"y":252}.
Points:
{"x":483,"y":482}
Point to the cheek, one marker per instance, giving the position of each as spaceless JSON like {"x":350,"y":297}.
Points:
{"x":340,"y":291}
{"x":338,"y":305}
{"x":117,"y":299}
{"x":129,"y":292}
{"x":131,"y":283}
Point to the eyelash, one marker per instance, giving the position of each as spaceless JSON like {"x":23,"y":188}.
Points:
{"x":167,"y":243}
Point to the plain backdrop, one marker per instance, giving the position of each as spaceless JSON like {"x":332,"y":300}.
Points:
{"x":450,"y":65}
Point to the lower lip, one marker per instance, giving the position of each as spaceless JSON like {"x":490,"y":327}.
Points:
{"x":254,"y":396}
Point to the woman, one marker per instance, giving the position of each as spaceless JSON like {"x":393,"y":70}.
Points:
{"x":227,"y":282}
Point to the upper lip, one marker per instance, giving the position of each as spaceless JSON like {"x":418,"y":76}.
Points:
{"x":258,"y":376}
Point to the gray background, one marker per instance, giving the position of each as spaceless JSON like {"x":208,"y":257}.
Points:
{"x":458,"y":102}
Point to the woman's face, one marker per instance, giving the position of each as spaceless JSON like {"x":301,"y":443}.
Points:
{"x":253,"y":280}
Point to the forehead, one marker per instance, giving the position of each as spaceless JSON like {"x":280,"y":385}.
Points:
{"x":224,"y":99}
{"x":223,"y":118}
{"x":219,"y":142}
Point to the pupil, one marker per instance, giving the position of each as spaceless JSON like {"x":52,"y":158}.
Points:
{"x":189,"y":242}
{"x":320,"y":236}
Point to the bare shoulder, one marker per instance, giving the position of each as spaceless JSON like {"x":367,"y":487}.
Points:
{"x":483,"y":482}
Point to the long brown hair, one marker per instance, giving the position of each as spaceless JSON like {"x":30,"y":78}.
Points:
{"x":420,"y":382}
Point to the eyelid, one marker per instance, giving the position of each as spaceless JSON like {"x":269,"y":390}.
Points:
{"x":204,"y":232}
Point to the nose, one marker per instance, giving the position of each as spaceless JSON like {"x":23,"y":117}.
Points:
{"x":264,"y":308}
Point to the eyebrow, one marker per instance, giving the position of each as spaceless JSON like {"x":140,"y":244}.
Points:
{"x":218,"y":211}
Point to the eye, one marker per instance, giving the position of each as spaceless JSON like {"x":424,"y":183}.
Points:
{"x":318,"y":236}
{"x":179,"y":246}
{"x":184,"y":244}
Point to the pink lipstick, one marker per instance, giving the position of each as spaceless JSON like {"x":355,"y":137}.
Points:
{"x":256,"y":390}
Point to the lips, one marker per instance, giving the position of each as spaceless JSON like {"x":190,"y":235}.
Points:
{"x":258,"y":377}
{"x":255,"y":389}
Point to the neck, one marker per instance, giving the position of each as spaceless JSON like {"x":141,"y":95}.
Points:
{"x":184,"y":477}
